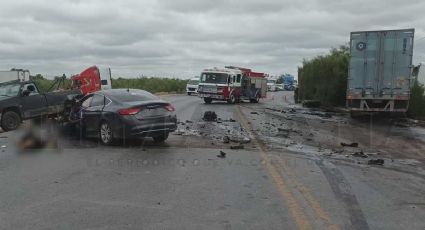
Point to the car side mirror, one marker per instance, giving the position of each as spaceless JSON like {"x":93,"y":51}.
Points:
{"x":26,"y":93}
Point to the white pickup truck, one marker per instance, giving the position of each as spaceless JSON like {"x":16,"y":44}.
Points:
{"x":271,"y":85}
{"x":192,"y":86}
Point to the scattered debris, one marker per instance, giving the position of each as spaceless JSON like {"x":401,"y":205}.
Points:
{"x":236,"y":147}
{"x":376,"y":162}
{"x":178,"y":132}
{"x":339,"y":151}
{"x":354,"y":144}
{"x":254,"y":112}
{"x":3,"y":146}
{"x":226,"y":139}
{"x":320,"y":114}
{"x":360,"y":154}
{"x":242,"y":140}
{"x":188,"y":121}
{"x":222,"y":155}
{"x":292,"y":110}
{"x":210,"y":116}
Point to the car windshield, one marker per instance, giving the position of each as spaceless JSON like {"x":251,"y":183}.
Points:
{"x":218,"y":78}
{"x":193,"y":82}
{"x":9,"y":90}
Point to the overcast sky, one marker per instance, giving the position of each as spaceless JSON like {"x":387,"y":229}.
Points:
{"x":181,"y":37}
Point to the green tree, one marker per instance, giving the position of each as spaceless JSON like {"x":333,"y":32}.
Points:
{"x":324,"y":78}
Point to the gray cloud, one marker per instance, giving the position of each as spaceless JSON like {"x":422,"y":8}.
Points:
{"x":180,"y":38}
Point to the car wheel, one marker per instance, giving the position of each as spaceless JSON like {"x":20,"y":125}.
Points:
{"x":207,"y":100}
{"x":189,"y":93}
{"x":106,"y":134}
{"x":10,"y":121}
{"x":160,"y":138}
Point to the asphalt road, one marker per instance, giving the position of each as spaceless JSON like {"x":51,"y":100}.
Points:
{"x":291,"y":175}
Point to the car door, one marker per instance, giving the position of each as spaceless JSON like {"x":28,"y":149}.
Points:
{"x":93,"y":113}
{"x":33,"y":103}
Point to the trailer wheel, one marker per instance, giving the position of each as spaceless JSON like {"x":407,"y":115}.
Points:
{"x":207,"y":100}
{"x":10,"y":121}
{"x":232,"y":99}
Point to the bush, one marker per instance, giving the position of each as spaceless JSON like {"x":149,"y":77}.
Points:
{"x":324,"y":78}
{"x":42,"y":83}
{"x":417,"y":102}
{"x":153,"y":85}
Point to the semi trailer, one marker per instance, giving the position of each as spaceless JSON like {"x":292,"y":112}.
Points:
{"x":380,"y":71}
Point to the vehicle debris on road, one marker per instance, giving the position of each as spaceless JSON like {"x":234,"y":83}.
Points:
{"x":376,"y":162}
{"x":222,"y":155}
{"x":226,"y":139}
{"x":360,"y":154}
{"x":236,"y":147}
{"x":242,"y":140}
{"x":354,"y":144}
{"x":210,"y":116}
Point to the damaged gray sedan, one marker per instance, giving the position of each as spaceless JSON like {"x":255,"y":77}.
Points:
{"x":127,"y":113}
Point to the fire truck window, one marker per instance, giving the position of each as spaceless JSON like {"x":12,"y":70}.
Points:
{"x":234,"y":79}
{"x":238,"y":78}
{"x":104,"y":82}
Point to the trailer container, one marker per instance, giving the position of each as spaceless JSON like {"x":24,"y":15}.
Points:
{"x":380,"y":70}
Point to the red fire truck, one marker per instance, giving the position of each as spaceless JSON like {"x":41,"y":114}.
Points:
{"x":232,"y":84}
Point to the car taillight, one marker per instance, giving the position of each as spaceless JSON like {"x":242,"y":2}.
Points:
{"x":170,"y":108}
{"x":127,"y":112}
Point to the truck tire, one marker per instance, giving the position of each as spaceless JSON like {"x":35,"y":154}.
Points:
{"x":232,"y":99}
{"x":189,"y":93}
{"x":207,"y":100}
{"x":10,"y":121}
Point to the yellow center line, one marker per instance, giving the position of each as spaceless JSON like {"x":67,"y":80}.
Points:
{"x":299,"y":217}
